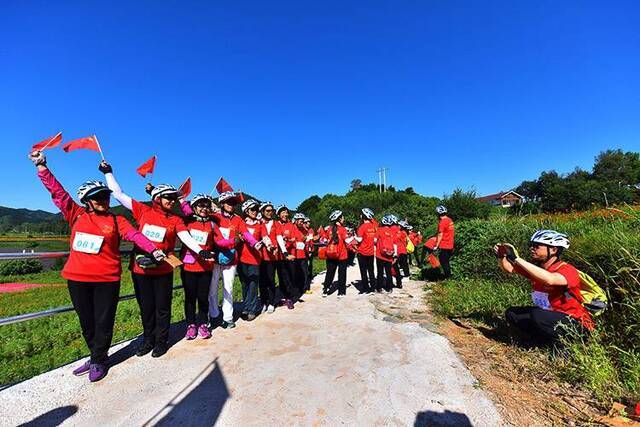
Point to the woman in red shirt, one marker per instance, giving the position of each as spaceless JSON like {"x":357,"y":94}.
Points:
{"x":300,"y":263}
{"x":250,"y":257}
{"x":366,"y":255}
{"x":196,"y":272}
{"x":445,"y":240}
{"x":336,"y":254}
{"x":386,"y":251}
{"x":153,"y":282}
{"x":556,"y":288}
{"x":285,"y":265}
{"x":270,"y":256}
{"x":310,"y":239}
{"x":93,"y":268}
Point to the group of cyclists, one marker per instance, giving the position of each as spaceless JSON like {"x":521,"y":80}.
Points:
{"x":217,"y":244}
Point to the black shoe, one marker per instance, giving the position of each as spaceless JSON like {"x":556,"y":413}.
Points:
{"x":144,"y":348}
{"x":159,"y":350}
{"x":228,"y":325}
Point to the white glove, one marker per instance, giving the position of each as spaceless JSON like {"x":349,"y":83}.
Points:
{"x":158,"y":255}
{"x":38,"y":158}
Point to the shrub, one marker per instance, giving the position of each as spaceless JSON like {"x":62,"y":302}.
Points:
{"x":20,"y":267}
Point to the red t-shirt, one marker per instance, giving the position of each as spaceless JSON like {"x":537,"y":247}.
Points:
{"x":385,"y":237}
{"x":367,"y":231}
{"x":288,"y":230}
{"x":228,"y":227}
{"x":557,"y":297}
{"x":202,"y":232}
{"x":401,"y":237}
{"x":161,"y":228}
{"x":248,"y":254}
{"x":299,"y":244}
{"x":94,"y":254}
{"x":431,"y":242}
{"x":445,"y":226}
{"x":271,"y":230}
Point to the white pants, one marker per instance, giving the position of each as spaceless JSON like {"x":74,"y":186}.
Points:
{"x":228,"y":275}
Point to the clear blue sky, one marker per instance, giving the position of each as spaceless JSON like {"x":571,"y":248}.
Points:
{"x":287,"y":99}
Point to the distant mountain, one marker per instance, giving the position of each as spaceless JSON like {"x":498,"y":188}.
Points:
{"x":31,"y":221}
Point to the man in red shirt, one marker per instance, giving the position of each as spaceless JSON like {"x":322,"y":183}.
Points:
{"x":366,"y":238}
{"x":445,"y":240}
{"x":556,"y":288}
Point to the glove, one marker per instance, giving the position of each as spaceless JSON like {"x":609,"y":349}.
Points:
{"x":145,"y":261}
{"x":148,"y":188}
{"x":158,"y":255}
{"x":105,"y":167}
{"x":510,"y":252}
{"x":258,"y":245}
{"x":205,"y":254}
{"x":38,"y":158}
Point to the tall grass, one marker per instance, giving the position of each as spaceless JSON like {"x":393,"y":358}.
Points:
{"x":607,"y":246}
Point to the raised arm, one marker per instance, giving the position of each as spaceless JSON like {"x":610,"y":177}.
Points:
{"x":113,"y":185}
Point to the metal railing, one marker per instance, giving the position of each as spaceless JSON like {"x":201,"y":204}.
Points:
{"x":52,"y":311}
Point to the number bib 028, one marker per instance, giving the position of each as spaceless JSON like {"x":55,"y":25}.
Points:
{"x":87,"y":243}
{"x":154,"y":233}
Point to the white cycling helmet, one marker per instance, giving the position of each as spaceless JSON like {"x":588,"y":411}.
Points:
{"x":404,"y":224}
{"x":550,"y":238}
{"x":335,"y":215}
{"x":281,"y":208}
{"x":163,"y":190}
{"x":298,"y":216}
{"x":264,"y":205}
{"x":441,"y":209}
{"x":249,"y":204}
{"x":199,"y":198}
{"x":368,"y":213}
{"x":393,"y":218}
{"x":227,"y":196}
{"x":387,"y":220}
{"x":91,"y":188}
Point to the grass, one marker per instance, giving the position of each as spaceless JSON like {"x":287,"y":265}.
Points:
{"x":30,"y":348}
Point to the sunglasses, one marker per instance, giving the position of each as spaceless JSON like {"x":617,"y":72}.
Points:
{"x":203,"y":206}
{"x":170,"y":197}
{"x":535,"y":245}
{"x":254,"y":209}
{"x":102,"y":196}
{"x":269,"y":210}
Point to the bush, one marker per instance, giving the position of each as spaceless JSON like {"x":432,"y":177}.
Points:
{"x":20,"y":267}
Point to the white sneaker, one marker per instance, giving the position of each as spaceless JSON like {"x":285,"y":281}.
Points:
{"x":264,"y":309}
{"x":271,"y":309}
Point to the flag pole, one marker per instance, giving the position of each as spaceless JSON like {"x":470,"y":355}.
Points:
{"x":99,"y":148}
{"x":155,"y":161}
{"x":49,"y":142}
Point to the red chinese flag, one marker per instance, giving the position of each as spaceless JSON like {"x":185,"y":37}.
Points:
{"x":185,"y":188}
{"x":241,"y":196}
{"x":88,"y":143}
{"x":223,"y":186}
{"x":147,"y":167}
{"x":50,"y":142}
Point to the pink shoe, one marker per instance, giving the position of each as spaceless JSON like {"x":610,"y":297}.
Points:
{"x":192,"y":332}
{"x":204,"y":332}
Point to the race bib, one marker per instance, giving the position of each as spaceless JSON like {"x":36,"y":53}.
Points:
{"x":199,"y":236}
{"x":87,"y":243}
{"x":226,"y":232}
{"x":541,"y":299}
{"x":154,"y":233}
{"x":300,"y":246}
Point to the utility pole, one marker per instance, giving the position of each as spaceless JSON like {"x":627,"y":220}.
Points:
{"x":384,"y":178}
{"x":379,"y":180}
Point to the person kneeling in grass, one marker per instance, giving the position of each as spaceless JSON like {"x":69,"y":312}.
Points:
{"x":556,"y":288}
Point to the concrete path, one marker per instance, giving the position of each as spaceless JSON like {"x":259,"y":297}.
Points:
{"x":328,"y":362}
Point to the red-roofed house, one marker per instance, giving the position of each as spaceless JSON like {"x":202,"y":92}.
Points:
{"x":506,"y":199}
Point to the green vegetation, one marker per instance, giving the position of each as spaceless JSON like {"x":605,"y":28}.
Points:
{"x":606,"y":244}
{"x":20,"y":267}
{"x":36,"y":346}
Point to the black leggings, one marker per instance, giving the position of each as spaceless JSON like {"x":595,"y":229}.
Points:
{"x":96,"y":304}
{"x":385,"y":281}
{"x":444,"y":256}
{"x":403,"y":263}
{"x":300,"y":275}
{"x":544,"y":324}
{"x":154,"y":295}
{"x":365,"y":263}
{"x":196,"y":290}
{"x":285,"y":280}
{"x":332,"y":266}
{"x":268,"y":282}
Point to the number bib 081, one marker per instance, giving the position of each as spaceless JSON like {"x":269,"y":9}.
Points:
{"x":87,"y":243}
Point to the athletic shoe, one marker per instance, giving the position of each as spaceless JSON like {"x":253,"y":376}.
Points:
{"x":159,"y":350}
{"x":145,"y":348}
{"x":82,"y":369}
{"x":250,"y":317}
{"x":204,"y":332}
{"x":271,"y":309}
{"x":289,"y":304}
{"x":229,"y":325}
{"x":97,"y":371}
{"x":265,"y":307}
{"x":192,"y":332}
{"x":309,"y":292}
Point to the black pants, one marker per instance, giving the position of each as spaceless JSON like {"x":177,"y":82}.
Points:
{"x":332,"y":266}
{"x":249,"y":275}
{"x":154,"y":294}
{"x":351,"y":258}
{"x":444,"y":256}
{"x":268,"y":282}
{"x":309,"y":272}
{"x":384,"y":281}
{"x":96,"y":304}
{"x":300,"y":275}
{"x":543,"y":324}
{"x":285,"y":280}
{"x":365,"y":262}
{"x":403,"y":264}
{"x":196,"y":290}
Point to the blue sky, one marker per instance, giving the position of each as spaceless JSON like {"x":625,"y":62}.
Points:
{"x":293,"y":98}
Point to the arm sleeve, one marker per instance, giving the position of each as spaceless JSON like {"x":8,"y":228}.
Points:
{"x":189,"y":241}
{"x":63,"y":201}
{"x":186,"y":208}
{"x":281,"y":244}
{"x":113,"y":185}
{"x":130,"y":234}
{"x":248,"y":237}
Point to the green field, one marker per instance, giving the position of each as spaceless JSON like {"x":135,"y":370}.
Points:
{"x":36,"y":346}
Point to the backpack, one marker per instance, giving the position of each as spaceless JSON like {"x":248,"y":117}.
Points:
{"x":594,"y":298}
{"x":385,"y":245}
{"x":333,"y":251}
{"x":410,"y":246}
